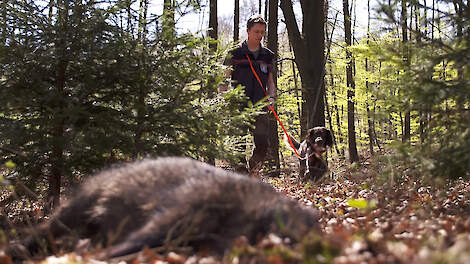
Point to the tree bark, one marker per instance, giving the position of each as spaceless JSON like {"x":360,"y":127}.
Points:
{"x":353,"y":155}
{"x":433,"y":18}
{"x":273,"y":46}
{"x":3,"y":22}
{"x":142,"y":29}
{"x":57,"y":154}
{"x":168,"y":23}
{"x":407,"y":121}
{"x":213,"y":24}
{"x":296,"y":88}
{"x":266,"y":7}
{"x":236,"y":22}
{"x":140,"y":104}
{"x":309,"y":49}
{"x":329,"y":41}
{"x":369,"y":113}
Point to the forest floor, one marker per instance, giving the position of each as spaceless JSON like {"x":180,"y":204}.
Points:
{"x":376,"y":212}
{"x":379,"y":212}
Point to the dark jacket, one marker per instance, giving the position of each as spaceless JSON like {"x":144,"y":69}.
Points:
{"x":242,"y":73}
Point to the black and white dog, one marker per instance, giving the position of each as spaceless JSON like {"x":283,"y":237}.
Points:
{"x":311,"y":150}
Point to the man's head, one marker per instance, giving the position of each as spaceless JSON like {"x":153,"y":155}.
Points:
{"x":256,"y":27}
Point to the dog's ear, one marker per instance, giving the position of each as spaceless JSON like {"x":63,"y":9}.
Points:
{"x":328,"y":137}
{"x":310,"y":135}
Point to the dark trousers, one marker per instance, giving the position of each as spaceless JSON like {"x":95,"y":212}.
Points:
{"x":261,"y":134}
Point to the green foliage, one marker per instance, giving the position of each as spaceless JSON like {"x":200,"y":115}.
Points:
{"x":362,"y":203}
{"x":432,"y":81}
{"x":78,"y":82}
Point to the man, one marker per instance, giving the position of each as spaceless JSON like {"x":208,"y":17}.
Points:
{"x":262,"y":59}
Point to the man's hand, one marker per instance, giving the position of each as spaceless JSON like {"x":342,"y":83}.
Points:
{"x":271,"y":100}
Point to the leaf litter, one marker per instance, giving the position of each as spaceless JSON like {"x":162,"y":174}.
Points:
{"x":369,"y":213}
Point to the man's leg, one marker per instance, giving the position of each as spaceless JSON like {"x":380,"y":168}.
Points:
{"x":261,"y":139}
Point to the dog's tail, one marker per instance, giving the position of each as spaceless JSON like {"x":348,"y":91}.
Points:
{"x":294,"y":141}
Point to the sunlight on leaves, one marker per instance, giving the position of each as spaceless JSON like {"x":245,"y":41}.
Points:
{"x":10,"y":164}
{"x":362,"y":203}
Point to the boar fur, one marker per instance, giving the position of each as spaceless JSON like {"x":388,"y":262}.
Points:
{"x":176,"y":202}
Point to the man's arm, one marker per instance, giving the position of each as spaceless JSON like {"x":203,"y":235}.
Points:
{"x":272,"y":91}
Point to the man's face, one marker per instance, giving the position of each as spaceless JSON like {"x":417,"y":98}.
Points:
{"x":256,"y":32}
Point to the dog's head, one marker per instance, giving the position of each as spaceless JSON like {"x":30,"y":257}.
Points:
{"x":319,"y":138}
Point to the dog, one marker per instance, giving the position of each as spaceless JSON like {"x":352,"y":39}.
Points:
{"x":168,"y":203}
{"x":311,"y":150}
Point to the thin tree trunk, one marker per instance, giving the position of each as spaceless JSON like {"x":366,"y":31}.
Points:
{"x":369,"y":114}
{"x":57,"y":154}
{"x":51,"y":13}
{"x":140,"y":102}
{"x":3,"y":22}
{"x":433,"y":18}
{"x":299,"y":111}
{"x":273,"y":46}
{"x":417,"y":22}
{"x":168,"y":24}
{"x":141,"y":33}
{"x":213,"y":34}
{"x":329,"y":40}
{"x":353,"y":155}
{"x":213,"y":24}
{"x":266,"y":5}
{"x":236,"y":22}
{"x":129,"y":18}
{"x":406,"y":58}
{"x":422,"y":32}
{"x":425,"y":18}
{"x":459,"y":5}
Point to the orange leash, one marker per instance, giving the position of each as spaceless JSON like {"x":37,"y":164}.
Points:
{"x":272,"y":108}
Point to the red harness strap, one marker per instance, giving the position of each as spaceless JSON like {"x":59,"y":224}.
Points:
{"x":272,"y":108}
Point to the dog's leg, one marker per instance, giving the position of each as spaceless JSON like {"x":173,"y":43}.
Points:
{"x":302,"y":169}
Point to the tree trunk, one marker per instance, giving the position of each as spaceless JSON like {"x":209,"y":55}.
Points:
{"x":236,"y":22}
{"x":213,"y":34}
{"x":407,"y":121}
{"x":273,"y":46}
{"x":353,"y":155}
{"x":129,"y":18}
{"x":433,"y":18}
{"x":140,"y":104}
{"x":213,"y":24}
{"x":3,"y":33}
{"x":459,"y":10}
{"x":425,"y":18}
{"x":266,"y":7}
{"x":294,"y":73}
{"x":57,"y":154}
{"x":168,"y":23}
{"x":309,"y":49}
{"x":141,"y":33}
{"x":369,"y":114}
{"x":329,"y":41}
{"x":260,"y":6}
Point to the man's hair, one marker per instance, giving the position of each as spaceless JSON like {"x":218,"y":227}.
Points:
{"x":255,"y":19}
